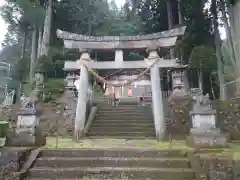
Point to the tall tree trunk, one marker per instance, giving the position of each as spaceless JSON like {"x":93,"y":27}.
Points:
{"x":170,"y":21}
{"x":47,"y":29}
{"x":90,"y":18}
{"x":39,"y":77}
{"x":39,"y":49}
{"x":217,"y":41}
{"x":169,"y":14}
{"x":200,"y":78}
{"x":33,"y":54}
{"x":180,"y":17}
{"x":225,"y":19}
{"x":235,"y":27}
{"x":229,"y":37}
{"x":24,"y":44}
{"x":23,"y":52}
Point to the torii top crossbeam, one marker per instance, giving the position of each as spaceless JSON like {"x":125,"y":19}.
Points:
{"x":161,"y":39}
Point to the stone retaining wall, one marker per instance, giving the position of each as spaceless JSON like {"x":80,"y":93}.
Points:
{"x":218,"y":168}
{"x":228,"y":117}
{"x":11,"y":161}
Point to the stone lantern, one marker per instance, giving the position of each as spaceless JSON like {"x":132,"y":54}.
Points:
{"x":204,"y":132}
{"x":70,"y":79}
{"x":179,"y":92}
{"x":177,"y":75}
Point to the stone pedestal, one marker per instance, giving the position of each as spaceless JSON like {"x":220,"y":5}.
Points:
{"x":204,"y":133}
{"x":207,"y":138}
{"x":179,"y":122}
{"x":27,"y":131}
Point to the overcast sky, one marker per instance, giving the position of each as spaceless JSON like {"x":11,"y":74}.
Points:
{"x":3,"y":26}
{"x":120,"y":2}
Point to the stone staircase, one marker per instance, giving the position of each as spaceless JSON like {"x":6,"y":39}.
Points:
{"x":122,"y":164}
{"x":124,"y":120}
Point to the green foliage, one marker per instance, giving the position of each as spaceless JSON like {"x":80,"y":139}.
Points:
{"x":203,"y":57}
{"x":4,"y":125}
{"x":27,"y":88}
{"x":55,"y":87}
{"x":45,"y":65}
{"x":22,"y":12}
{"x":135,"y":56}
{"x":19,"y":70}
{"x":32,"y":12}
{"x":233,"y":1}
{"x":199,"y":26}
{"x":82,"y":16}
{"x":97,"y":91}
{"x":10,"y":53}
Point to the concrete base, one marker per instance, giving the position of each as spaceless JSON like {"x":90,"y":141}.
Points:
{"x":207,"y":139}
{"x":24,"y":138}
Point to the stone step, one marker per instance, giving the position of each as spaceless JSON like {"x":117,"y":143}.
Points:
{"x":125,"y":113}
{"x":123,"y":137}
{"x":115,"y":152}
{"x":65,"y":162}
{"x":114,"y":172}
{"x":121,"y":124}
{"x":130,"y":113}
{"x":123,"y":119}
{"x":126,"y":110}
{"x":82,"y":178}
{"x":125,"y":107}
{"x":103,"y":120}
{"x":122,"y":129}
{"x":112,"y":112}
{"x":130,"y":134}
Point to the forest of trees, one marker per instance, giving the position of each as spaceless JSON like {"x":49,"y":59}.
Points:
{"x":31,"y":43}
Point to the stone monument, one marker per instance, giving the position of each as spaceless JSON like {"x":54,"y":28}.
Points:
{"x":204,"y":133}
{"x":27,"y":131}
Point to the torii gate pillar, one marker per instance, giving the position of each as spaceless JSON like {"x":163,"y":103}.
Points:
{"x":157,"y":100}
{"x":82,"y":87}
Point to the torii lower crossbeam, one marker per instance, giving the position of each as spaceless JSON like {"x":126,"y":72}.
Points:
{"x":72,"y":65}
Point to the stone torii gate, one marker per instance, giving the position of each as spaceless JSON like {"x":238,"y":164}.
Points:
{"x":150,"y":42}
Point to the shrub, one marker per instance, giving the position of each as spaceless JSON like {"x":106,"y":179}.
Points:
{"x":4,"y":125}
{"x":55,"y":87}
